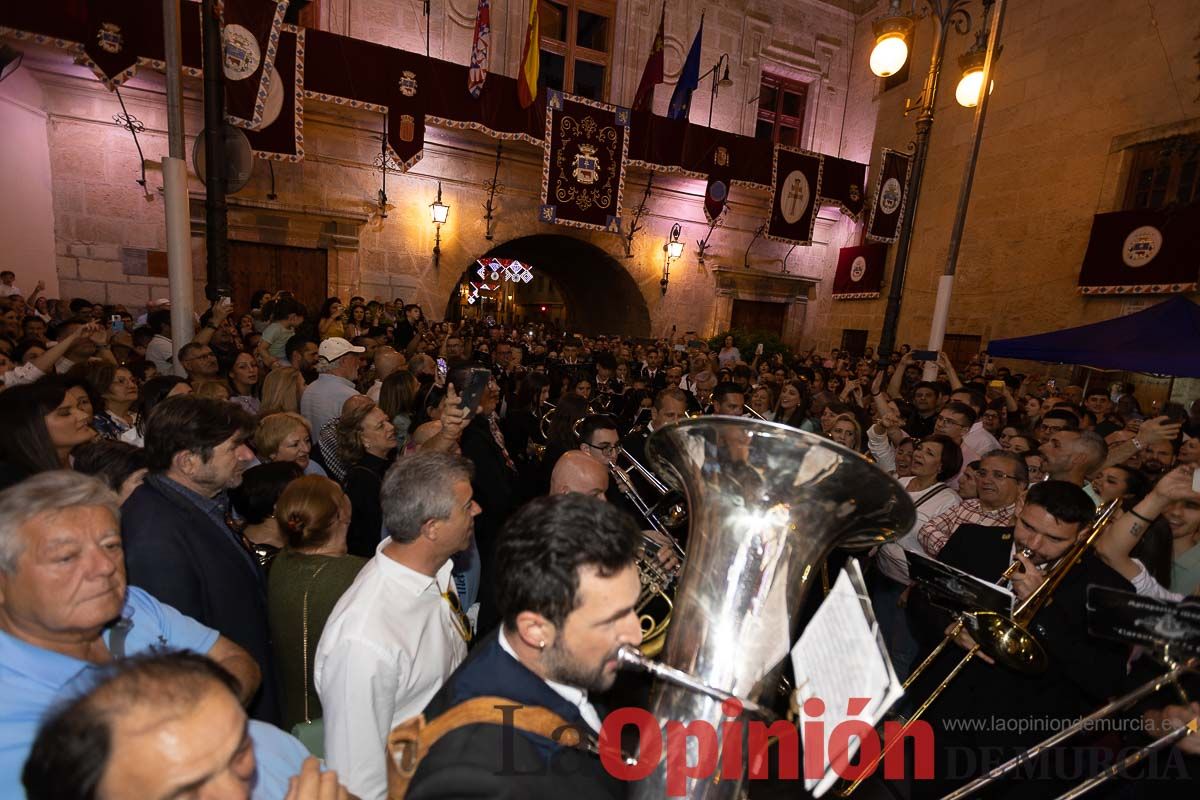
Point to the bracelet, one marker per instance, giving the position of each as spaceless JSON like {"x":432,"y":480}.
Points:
{"x":1137,"y":443}
{"x":1139,"y":516}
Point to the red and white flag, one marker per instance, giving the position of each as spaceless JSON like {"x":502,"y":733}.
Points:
{"x":480,"y":48}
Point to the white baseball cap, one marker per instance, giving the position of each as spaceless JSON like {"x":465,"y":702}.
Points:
{"x":335,"y":347}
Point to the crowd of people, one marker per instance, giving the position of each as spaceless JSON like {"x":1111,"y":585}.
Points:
{"x":305,"y":527}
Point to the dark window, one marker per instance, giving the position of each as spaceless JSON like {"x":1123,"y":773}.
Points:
{"x":854,"y":341}
{"x":1165,"y":172}
{"x":780,"y":110}
{"x":576,"y":40}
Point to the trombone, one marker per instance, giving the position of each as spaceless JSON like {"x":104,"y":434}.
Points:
{"x":1145,"y":690}
{"x":1004,"y":639}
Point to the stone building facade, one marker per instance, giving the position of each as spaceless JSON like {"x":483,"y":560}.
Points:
{"x":104,"y":223}
{"x":1078,"y":85}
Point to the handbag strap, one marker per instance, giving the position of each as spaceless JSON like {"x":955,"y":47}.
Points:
{"x":304,"y":634}
{"x":941,"y":487}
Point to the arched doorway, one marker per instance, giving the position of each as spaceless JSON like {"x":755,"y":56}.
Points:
{"x":597,"y":294}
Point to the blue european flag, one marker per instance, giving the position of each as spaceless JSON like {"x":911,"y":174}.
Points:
{"x":689,"y":79}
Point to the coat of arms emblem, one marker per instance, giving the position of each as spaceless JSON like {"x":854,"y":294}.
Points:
{"x":889,"y":196}
{"x":109,"y":38}
{"x":1141,"y":246}
{"x":408,"y":83}
{"x":587,"y":166}
{"x":721,"y":157}
{"x":242,"y":55}
{"x":855,"y":192}
{"x":407,"y":127}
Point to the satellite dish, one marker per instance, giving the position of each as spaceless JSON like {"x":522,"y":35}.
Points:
{"x":239,"y":159}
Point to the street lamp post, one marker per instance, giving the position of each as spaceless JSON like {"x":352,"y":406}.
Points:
{"x":945,"y":14}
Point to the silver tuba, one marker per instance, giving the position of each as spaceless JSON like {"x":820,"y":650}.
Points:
{"x":766,"y":504}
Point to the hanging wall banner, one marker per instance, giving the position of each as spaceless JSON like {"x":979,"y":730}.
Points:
{"x":365,"y":75}
{"x":795,"y":187}
{"x":281,"y":137}
{"x":843,"y":185}
{"x":891,"y":196}
{"x":1142,"y":252}
{"x":249,"y":42}
{"x":583,"y":169}
{"x":859,"y":273}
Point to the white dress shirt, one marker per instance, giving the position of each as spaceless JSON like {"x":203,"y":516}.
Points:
{"x":160,"y":353}
{"x":979,"y":440}
{"x":572,"y":694}
{"x":389,"y":645}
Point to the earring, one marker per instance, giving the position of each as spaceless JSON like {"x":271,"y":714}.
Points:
{"x":541,"y":645}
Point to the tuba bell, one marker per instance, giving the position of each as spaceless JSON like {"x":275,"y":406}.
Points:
{"x":766,"y":504}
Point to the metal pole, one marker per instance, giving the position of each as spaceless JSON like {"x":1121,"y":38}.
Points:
{"x":941,"y":308}
{"x":891,"y":315}
{"x":216,"y":212}
{"x":175,"y":190}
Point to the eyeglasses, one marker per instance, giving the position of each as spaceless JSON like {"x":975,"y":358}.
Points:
{"x":1052,"y":428}
{"x":950,"y":421}
{"x":607,"y":449}
{"x":995,"y":473}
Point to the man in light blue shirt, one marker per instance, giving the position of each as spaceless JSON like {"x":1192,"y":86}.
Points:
{"x":66,"y":612}
{"x":338,"y":363}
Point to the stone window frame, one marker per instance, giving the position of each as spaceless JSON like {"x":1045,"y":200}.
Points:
{"x":1167,"y":169}
{"x":1122,"y":155}
{"x":570,"y":51}
{"x":781,"y":84}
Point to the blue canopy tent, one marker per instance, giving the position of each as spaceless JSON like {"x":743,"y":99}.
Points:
{"x":1163,"y":339}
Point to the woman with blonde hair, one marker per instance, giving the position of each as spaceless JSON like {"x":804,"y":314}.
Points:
{"x":306,"y":580}
{"x":286,"y":436}
{"x":281,"y":391}
{"x":847,"y":432}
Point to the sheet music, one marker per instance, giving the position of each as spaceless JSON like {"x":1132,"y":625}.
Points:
{"x":841,"y":655}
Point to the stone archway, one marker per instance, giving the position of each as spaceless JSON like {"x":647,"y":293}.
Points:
{"x":601,"y":296}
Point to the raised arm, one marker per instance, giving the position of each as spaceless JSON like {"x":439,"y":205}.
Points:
{"x":1117,"y":541}
{"x":943,"y":361}
{"x":896,"y":384}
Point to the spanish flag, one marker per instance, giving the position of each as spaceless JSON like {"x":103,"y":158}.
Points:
{"x":527,"y":81}
{"x":652,"y":75}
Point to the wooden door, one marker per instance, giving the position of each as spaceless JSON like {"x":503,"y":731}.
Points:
{"x":300,"y":270}
{"x":854,"y":341}
{"x":758,"y":316}
{"x":960,"y":348}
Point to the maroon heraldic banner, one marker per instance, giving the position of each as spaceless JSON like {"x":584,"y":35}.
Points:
{"x":795,"y":187}
{"x":859,"y":273}
{"x":842,"y":184}
{"x":281,"y":137}
{"x":583,"y":166}
{"x":1143,"y":252}
{"x":249,"y":43}
{"x":891,"y":196}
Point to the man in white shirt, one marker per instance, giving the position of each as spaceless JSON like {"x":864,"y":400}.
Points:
{"x":398,"y":632}
{"x":338,"y":363}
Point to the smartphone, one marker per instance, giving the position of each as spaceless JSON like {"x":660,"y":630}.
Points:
{"x":924,"y":355}
{"x":116,"y":323}
{"x":475,"y":384}
{"x":441,"y":371}
{"x":996,"y":384}
{"x":759,"y":350}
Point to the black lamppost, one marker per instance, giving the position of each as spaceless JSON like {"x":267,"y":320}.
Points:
{"x":893,"y":33}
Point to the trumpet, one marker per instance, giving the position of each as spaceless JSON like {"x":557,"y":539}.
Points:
{"x":1005,"y":640}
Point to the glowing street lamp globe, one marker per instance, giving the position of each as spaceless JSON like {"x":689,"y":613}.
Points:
{"x":889,"y":55}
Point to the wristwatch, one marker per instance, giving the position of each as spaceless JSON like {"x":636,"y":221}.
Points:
{"x":1137,"y":443}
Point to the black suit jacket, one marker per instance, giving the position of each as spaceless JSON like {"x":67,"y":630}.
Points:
{"x":177,"y":553}
{"x":495,"y":490}
{"x":488,"y":761}
{"x":1083,"y":671}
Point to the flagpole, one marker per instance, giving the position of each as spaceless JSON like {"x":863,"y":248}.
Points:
{"x":941,"y":308}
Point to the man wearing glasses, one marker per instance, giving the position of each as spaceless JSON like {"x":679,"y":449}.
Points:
{"x":955,"y":420}
{"x":1055,"y":421}
{"x":1001,"y":478}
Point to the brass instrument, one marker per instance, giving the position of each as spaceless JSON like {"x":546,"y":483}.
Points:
{"x":766,"y":504}
{"x":1124,"y":701}
{"x":657,"y":583}
{"x":747,"y":410}
{"x":1003,"y":639}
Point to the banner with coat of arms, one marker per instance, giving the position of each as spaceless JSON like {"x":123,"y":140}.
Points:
{"x":1143,"y":252}
{"x":583,"y":166}
{"x":249,"y":42}
{"x":843,"y":185}
{"x":281,"y":136}
{"x":795,"y":187}
{"x":859,"y":273}
{"x":891,"y":196}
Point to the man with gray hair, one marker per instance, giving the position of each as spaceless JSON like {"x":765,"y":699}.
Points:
{"x":66,"y":610}
{"x":387,"y":362}
{"x":399,"y":631}
{"x":1073,"y":456}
